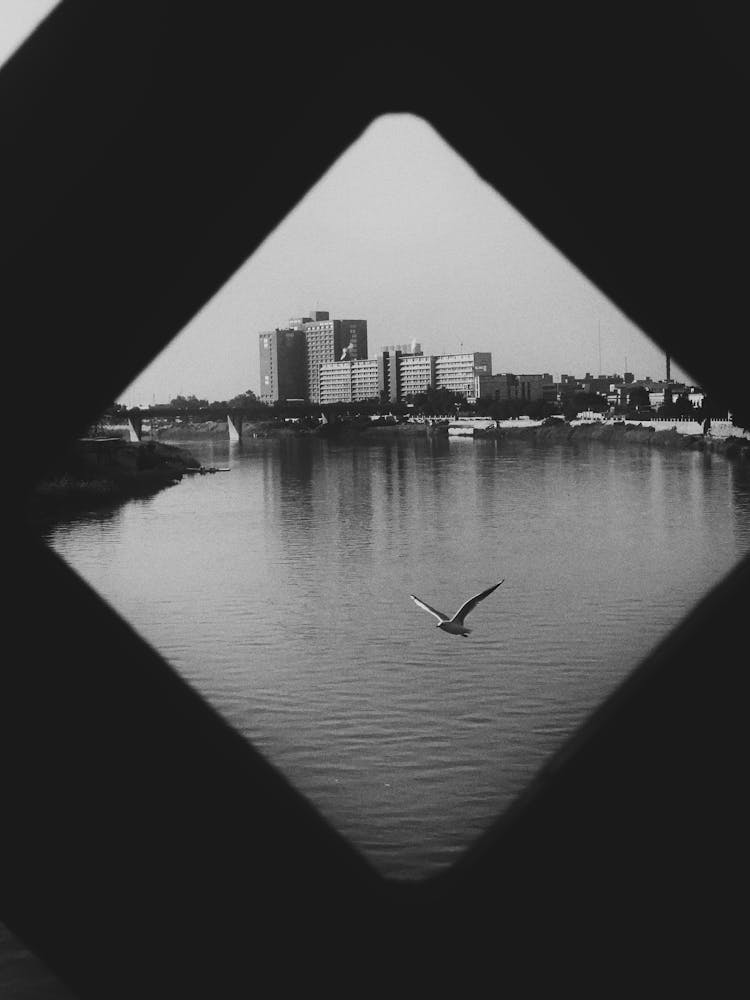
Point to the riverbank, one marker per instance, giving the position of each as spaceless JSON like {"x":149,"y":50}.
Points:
{"x":104,"y":470}
{"x":737,"y":447}
{"x":619,"y":435}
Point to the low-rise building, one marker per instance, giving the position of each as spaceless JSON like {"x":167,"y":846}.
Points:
{"x":507,"y":386}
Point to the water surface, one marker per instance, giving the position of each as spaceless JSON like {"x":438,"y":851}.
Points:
{"x":280,"y":591}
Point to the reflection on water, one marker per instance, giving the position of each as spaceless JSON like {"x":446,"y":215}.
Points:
{"x":281,"y":592}
{"x":738,"y":503}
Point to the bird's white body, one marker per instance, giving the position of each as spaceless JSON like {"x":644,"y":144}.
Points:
{"x":455,"y":625}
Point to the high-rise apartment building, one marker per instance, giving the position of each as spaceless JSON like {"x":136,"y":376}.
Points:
{"x":325,"y":360}
{"x":411,"y":374}
{"x":283,"y":370}
{"x":414,"y":374}
{"x":324,"y":340}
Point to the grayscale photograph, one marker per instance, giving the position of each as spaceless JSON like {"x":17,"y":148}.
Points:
{"x":406,"y":501}
{"x":488,"y":416}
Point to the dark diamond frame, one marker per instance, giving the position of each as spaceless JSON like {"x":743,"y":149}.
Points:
{"x":146,"y":848}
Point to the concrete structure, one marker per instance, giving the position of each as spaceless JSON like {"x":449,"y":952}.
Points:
{"x":367,"y":378}
{"x":457,"y":372}
{"x":569,"y":385}
{"x":657,"y":397}
{"x":718,"y":429}
{"x":283,"y":372}
{"x":414,"y":347}
{"x":414,"y":374}
{"x":502,"y":387}
{"x":601,"y":384}
{"x":656,"y":391}
{"x":321,"y":340}
{"x":351,"y":381}
{"x":136,"y":420}
{"x":329,"y":340}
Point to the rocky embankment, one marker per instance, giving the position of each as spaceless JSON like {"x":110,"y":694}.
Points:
{"x":109,"y":469}
{"x":630,"y":434}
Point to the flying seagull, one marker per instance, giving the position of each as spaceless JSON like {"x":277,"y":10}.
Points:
{"x":455,"y":625}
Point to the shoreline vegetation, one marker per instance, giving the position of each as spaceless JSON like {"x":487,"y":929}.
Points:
{"x":103,"y":470}
{"x":107,"y":469}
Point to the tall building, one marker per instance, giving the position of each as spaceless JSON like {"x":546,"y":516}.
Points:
{"x":325,"y":360}
{"x":283,"y":370}
{"x":322,"y":340}
{"x":331,"y":340}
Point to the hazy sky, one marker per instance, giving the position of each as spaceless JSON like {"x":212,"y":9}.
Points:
{"x":400,"y":232}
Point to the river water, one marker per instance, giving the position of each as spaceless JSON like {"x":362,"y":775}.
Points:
{"x":280,"y":591}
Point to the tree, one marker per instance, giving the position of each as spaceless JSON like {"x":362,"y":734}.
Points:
{"x":683,"y":407}
{"x":440,"y":401}
{"x":741,"y":416}
{"x":188,"y":403}
{"x":586,"y":401}
{"x":714,"y":407}
{"x":638,"y":399}
{"x":245,"y":400}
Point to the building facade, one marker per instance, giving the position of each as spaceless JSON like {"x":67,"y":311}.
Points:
{"x":457,"y":372}
{"x":351,"y":381}
{"x":413,"y":347}
{"x":283,"y":368}
{"x":322,"y":340}
{"x":413,"y":374}
{"x":507,"y":386}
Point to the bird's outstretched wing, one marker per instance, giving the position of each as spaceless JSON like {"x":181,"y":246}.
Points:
{"x":441,"y":617}
{"x":472,"y":603}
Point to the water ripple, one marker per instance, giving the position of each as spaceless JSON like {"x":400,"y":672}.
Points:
{"x":281,"y":592}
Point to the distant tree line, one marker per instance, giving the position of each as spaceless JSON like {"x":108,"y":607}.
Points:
{"x":439,"y":402}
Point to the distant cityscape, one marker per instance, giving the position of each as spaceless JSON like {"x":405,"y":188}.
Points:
{"x":321,"y":360}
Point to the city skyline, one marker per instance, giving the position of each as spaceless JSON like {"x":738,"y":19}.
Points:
{"x":402,"y":232}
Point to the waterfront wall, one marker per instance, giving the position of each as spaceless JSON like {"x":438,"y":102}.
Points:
{"x":642,"y":434}
{"x":719,"y":428}
{"x":724,"y":438}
